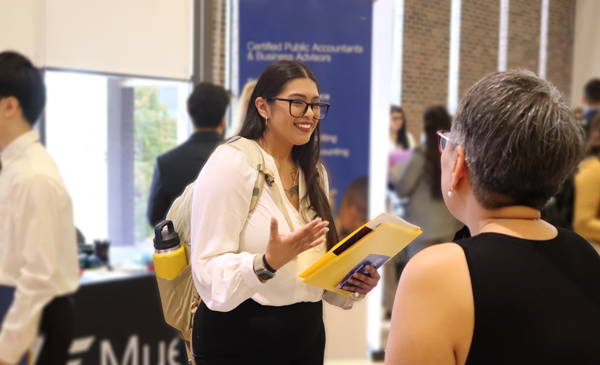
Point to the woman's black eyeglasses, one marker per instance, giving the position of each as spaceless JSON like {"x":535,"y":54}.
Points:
{"x":299,"y":107}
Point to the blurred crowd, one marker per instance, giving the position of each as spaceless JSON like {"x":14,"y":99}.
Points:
{"x":414,"y":191}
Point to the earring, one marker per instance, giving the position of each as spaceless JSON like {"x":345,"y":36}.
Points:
{"x":266,"y":121}
{"x":450,"y":193}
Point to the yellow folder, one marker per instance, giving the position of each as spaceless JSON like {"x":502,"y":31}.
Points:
{"x":372,"y":244}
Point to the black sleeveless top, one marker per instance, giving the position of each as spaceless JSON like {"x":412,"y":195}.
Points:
{"x":536,"y":302}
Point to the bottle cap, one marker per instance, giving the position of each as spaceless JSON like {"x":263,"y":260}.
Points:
{"x":165,"y":239}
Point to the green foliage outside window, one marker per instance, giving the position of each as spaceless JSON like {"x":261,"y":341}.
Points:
{"x":155,"y":134}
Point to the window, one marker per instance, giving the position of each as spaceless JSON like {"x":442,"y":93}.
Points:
{"x":105,"y":134}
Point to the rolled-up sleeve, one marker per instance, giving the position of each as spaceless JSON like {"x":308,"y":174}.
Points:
{"x":224,"y":277}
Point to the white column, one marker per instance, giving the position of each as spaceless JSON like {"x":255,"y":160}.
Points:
{"x":398,"y":44}
{"x":503,"y":38}
{"x":381,"y":68}
{"x":544,"y":39}
{"x":453,"y":74}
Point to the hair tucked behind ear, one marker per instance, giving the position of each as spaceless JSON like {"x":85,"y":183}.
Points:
{"x":270,"y":83}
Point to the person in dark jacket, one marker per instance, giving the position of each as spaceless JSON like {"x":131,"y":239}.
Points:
{"x":177,"y":168}
{"x":591,"y":102}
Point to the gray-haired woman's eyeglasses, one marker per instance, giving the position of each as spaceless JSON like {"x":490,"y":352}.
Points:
{"x":443,"y":139}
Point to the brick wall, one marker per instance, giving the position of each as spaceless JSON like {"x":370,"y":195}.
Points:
{"x":561,"y":29}
{"x":425,"y":58}
{"x":524,"y":34}
{"x":480,"y":22}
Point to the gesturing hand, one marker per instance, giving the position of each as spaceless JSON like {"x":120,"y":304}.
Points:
{"x":363,"y":284}
{"x":281,"y":249}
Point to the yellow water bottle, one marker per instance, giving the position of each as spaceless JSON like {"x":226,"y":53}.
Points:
{"x":169,"y":254}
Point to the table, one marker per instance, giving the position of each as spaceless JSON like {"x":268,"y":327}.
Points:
{"x":120,"y":322}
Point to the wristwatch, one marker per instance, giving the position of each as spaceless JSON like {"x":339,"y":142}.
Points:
{"x":262,"y":269}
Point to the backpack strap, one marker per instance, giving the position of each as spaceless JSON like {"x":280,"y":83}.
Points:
{"x":255,"y":159}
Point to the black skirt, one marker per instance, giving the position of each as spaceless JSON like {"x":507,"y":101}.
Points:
{"x":258,"y":334}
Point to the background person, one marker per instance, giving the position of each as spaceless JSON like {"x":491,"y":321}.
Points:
{"x":591,"y":103}
{"x":38,"y":253}
{"x":400,"y":138}
{"x":519,"y":291}
{"x":353,"y":211}
{"x":400,"y":150}
{"x":586,"y":220}
{"x":255,"y":308}
{"x":419,"y":187}
{"x":177,"y":168}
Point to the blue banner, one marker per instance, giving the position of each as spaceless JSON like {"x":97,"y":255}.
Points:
{"x":333,"y":37}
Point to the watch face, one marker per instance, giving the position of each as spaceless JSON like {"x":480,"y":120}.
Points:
{"x":265,"y":274}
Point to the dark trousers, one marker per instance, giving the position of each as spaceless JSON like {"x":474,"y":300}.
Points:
{"x":58,"y":329}
{"x":257,"y":334}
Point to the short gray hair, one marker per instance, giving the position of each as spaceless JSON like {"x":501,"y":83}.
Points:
{"x":520,"y":138}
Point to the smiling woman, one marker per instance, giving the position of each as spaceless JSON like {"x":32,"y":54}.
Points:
{"x":279,"y":127}
{"x":255,"y":308}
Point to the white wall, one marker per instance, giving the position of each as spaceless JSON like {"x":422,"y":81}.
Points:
{"x":134,"y":37}
{"x":586,"y":50}
{"x":151,"y":38}
{"x":21,"y":28}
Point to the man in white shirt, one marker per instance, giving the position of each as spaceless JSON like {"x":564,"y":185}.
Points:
{"x":38,"y":253}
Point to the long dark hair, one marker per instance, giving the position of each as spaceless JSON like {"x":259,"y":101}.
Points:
{"x":401,"y":138}
{"x":270,"y":83}
{"x":434,"y":118}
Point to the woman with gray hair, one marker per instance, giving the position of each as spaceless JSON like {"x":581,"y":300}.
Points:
{"x":519,"y":291}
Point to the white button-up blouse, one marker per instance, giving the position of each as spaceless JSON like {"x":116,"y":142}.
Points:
{"x":223,"y":250}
